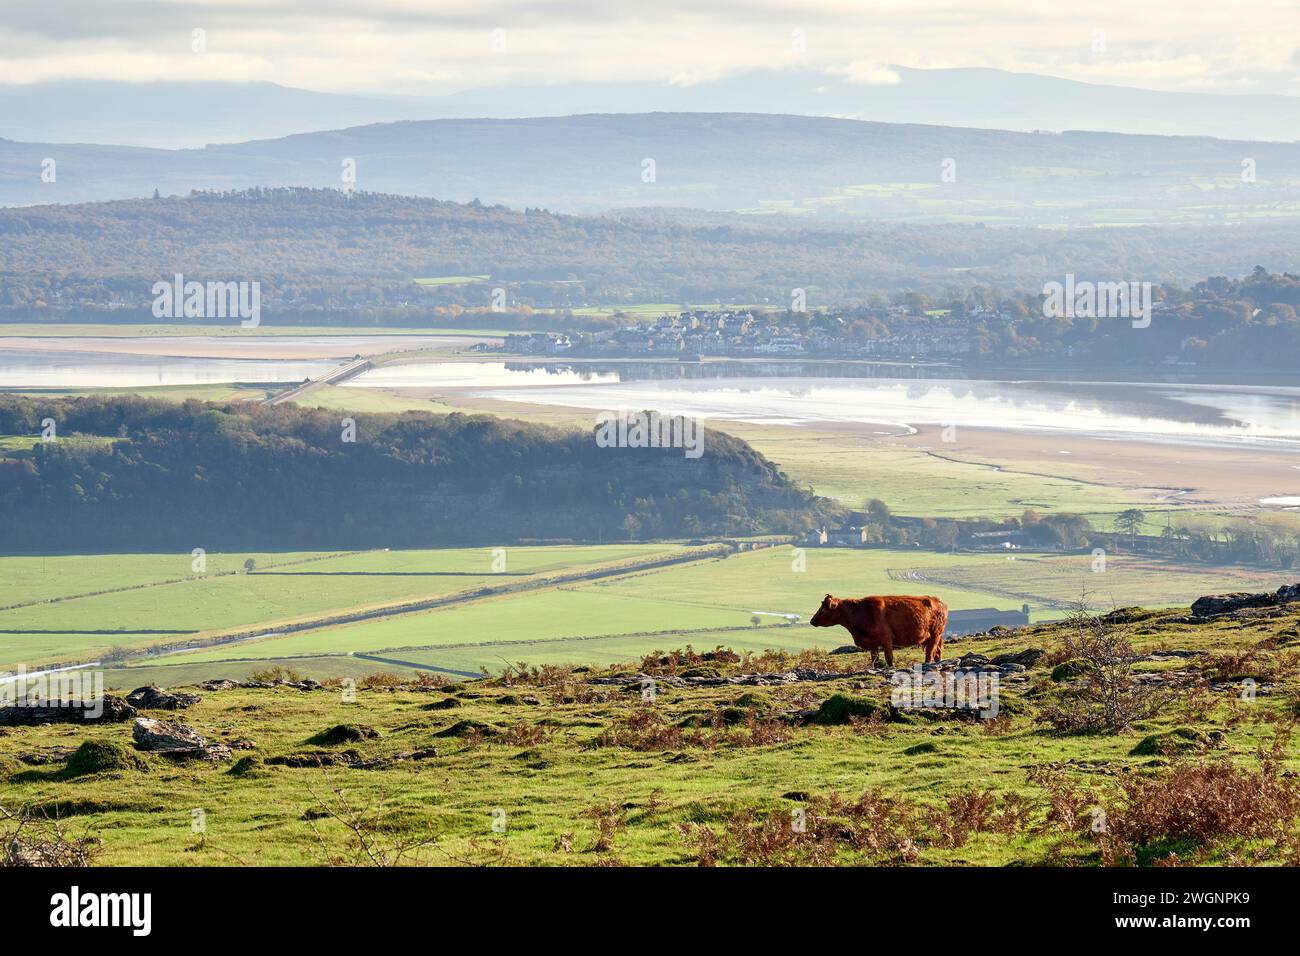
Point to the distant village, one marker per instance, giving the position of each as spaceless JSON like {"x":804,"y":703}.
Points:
{"x":739,"y":333}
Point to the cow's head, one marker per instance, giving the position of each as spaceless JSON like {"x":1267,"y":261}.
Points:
{"x":829,"y":614}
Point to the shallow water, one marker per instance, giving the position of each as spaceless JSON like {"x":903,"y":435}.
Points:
{"x":37,"y":369}
{"x":1237,"y":414}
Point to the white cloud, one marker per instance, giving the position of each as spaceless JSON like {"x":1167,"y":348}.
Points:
{"x":437,"y":46}
{"x":865,"y":73}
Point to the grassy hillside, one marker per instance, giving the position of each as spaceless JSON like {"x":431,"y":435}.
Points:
{"x":569,"y":766}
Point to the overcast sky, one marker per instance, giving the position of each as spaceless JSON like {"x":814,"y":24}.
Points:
{"x":439,"y":46}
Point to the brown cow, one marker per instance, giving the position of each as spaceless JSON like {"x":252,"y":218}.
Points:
{"x":883,"y":622}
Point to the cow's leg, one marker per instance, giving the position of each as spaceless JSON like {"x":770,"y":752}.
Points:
{"x":938,"y":650}
{"x":889,"y":653}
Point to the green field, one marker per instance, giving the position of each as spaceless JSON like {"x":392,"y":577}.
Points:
{"x":855,"y":469}
{"x":452,"y":280}
{"x":704,"y":602}
{"x":55,"y":608}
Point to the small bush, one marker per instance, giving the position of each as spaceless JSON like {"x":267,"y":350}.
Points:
{"x":269,"y":675}
{"x":468,"y":728}
{"x":29,"y":838}
{"x":1107,"y":697}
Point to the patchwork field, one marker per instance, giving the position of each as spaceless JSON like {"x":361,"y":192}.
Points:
{"x":70,"y":607}
{"x":127,"y":608}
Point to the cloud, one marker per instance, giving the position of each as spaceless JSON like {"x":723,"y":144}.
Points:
{"x":865,"y":73}
{"x":438,"y":46}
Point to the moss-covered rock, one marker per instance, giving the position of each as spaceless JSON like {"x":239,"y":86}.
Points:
{"x":103,"y":756}
{"x":463,"y":728}
{"x":244,"y":766}
{"x":343,"y":734}
{"x":1069,"y":670}
{"x":842,"y":708}
{"x":1178,"y":741}
{"x":446,"y":704}
{"x":700,"y":672}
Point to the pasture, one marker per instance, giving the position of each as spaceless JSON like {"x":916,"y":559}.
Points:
{"x":150,"y":601}
{"x":76,"y":607}
{"x":579,"y":773}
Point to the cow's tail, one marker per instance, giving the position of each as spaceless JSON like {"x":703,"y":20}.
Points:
{"x":939,"y":623}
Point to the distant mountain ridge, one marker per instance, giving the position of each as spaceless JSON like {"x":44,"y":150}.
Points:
{"x":173,"y":115}
{"x":815,"y":167}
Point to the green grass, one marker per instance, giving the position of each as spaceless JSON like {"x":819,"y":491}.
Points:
{"x":712,"y":601}
{"x":154,"y":598}
{"x":1125,"y":580}
{"x":356,"y":399}
{"x":534,"y":616}
{"x":453,"y":280}
{"x":553,"y":791}
{"x":855,"y":469}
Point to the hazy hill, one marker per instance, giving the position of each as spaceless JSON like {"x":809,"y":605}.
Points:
{"x":171,"y":114}
{"x":809,"y":166}
{"x":312,"y":245}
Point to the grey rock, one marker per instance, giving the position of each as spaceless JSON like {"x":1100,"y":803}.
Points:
{"x":1026,"y":658}
{"x":115,"y":710}
{"x":160,"y":735}
{"x":154,"y":698}
{"x":1212,"y":605}
{"x":220,"y":683}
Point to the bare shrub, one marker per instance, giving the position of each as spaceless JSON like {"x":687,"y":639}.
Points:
{"x":383,"y":679}
{"x":1105,"y":694}
{"x":873,"y":828}
{"x":610,"y":819}
{"x":29,"y":838}
{"x":269,"y":675}
{"x":370,"y":839}
{"x":1198,"y":805}
{"x":523,"y":735}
